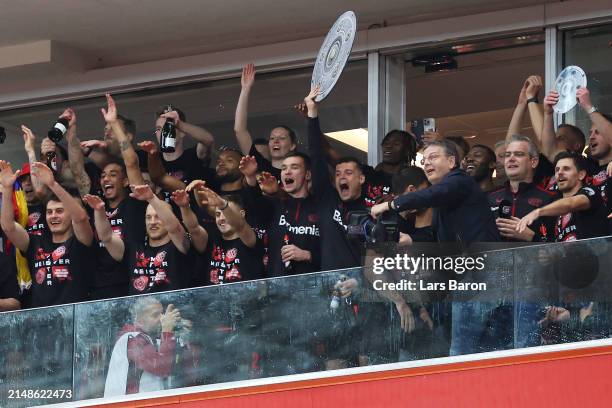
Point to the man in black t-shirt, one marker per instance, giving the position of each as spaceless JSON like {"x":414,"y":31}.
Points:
{"x":479,"y":163}
{"x":292,"y":220}
{"x":236,"y":253}
{"x":126,"y":216}
{"x":160,"y":263}
{"x":59,"y":262}
{"x":580,"y":213}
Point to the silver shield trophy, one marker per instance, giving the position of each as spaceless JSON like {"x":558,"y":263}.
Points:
{"x":568,"y":82}
{"x":333,"y":54}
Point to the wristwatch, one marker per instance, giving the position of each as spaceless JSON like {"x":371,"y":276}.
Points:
{"x":532,"y":99}
{"x":592,"y":109}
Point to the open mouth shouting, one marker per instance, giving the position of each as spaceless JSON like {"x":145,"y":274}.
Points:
{"x":288,"y":182}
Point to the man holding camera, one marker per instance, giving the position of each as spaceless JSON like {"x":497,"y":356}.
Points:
{"x":461,"y":209}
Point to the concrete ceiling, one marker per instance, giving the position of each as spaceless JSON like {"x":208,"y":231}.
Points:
{"x":106,"y":33}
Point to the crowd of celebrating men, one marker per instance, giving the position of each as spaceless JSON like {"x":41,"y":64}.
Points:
{"x":109,"y":218}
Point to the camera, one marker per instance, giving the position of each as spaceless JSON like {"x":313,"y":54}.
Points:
{"x":362,"y":227}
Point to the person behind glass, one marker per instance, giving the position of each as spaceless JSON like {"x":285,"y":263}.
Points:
{"x":461,"y":210}
{"x":59,"y":261}
{"x":236,"y":253}
{"x":581,"y":212}
{"x":292,"y":219}
{"x":521,"y":195}
{"x":138,"y":362}
{"x":161,"y":262}
{"x":479,"y":163}
{"x":282,"y":138}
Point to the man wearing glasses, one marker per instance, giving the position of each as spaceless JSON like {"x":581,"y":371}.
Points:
{"x":461,"y":209}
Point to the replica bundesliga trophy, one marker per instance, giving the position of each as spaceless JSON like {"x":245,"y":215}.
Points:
{"x":333,"y":54}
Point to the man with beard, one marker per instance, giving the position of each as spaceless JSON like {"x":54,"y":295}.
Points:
{"x":282,"y":139}
{"x":160,"y":263}
{"x":293,"y":222}
{"x":137,"y":363}
{"x":580,"y":213}
{"x":600,"y":147}
{"x":58,"y":261}
{"x":500,"y":158}
{"x":521,"y":194}
{"x":479,"y":164}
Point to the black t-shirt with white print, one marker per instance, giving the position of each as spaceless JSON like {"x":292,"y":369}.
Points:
{"x":59,"y":270}
{"x":188,"y":167}
{"x":128,"y":222}
{"x":377,"y":186}
{"x":589,"y":223}
{"x":603,"y":184}
{"x":156,"y":269}
{"x":233,"y":261}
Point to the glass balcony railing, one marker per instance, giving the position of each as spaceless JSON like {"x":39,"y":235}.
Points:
{"x":522,"y":297}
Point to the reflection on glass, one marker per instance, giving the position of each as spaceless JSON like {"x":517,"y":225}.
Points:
{"x":537,"y":295}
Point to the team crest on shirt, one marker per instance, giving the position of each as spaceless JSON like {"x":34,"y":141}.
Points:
{"x":58,"y":253}
{"x":231,"y":255}
{"x":33,"y":218}
{"x":140,"y":283}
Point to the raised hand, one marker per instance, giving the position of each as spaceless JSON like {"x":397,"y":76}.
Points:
{"x":534,"y":84}
{"x":309,"y":100}
{"x":267,"y":183}
{"x":29,"y":140}
{"x":550,"y":101}
{"x":522,"y":98}
{"x":248,"y":76}
{"x":47,"y":146}
{"x":181,"y":198}
{"x":584,"y":98}
{"x":70,"y":116}
{"x":142,"y":192}
{"x":169,"y":319}
{"x":94,"y":144}
{"x":148,"y":146}
{"x":213,"y":198}
{"x":110,"y":114}
{"x":302,"y":109}
{"x":94,"y":202}
{"x":172,"y":115}
{"x":7,"y":177}
{"x":248,"y":166}
{"x":44,"y":173}
{"x":198,"y":186}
